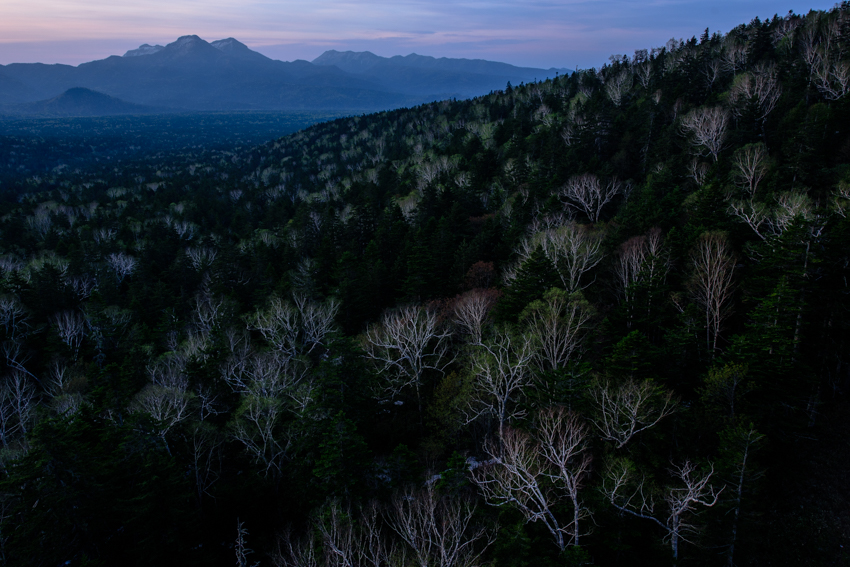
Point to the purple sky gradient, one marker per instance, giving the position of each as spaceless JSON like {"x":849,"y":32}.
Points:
{"x":537,"y":33}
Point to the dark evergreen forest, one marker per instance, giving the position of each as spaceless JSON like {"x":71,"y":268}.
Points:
{"x":598,"y":320}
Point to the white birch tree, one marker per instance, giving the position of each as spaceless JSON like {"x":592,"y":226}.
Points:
{"x":712,"y":282}
{"x":705,"y":128}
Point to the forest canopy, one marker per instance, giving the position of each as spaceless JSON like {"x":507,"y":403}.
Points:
{"x":590,"y":320}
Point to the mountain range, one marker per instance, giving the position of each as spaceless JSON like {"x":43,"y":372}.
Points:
{"x":191,"y":74}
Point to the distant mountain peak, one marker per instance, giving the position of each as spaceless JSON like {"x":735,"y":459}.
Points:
{"x":189,"y":48}
{"x":351,"y":61}
{"x":236,"y":48}
{"x":81,"y":101}
{"x":228,"y":44}
{"x":144,"y":49}
{"x":185,"y":40}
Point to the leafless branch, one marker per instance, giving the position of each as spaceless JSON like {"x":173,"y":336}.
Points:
{"x":626,"y":410}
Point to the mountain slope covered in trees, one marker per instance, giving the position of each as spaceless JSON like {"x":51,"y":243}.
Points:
{"x":594,"y":320}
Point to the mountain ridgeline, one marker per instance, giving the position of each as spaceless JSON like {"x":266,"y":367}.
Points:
{"x":191,"y":74}
{"x":594,"y":320}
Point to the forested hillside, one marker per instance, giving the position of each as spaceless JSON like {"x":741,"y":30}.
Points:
{"x":598,"y":320}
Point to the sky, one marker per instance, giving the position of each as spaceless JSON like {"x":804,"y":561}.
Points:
{"x":536,"y":33}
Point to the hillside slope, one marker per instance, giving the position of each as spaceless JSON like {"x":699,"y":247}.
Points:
{"x":602,"y":319}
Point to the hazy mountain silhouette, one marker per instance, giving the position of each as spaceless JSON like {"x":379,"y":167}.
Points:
{"x":417,"y":74}
{"x":79,"y":101}
{"x":192,"y":74}
{"x":13,"y":90}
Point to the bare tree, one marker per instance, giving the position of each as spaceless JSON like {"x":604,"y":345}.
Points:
{"x":169,"y":371}
{"x":682,"y":501}
{"x":823,"y":52}
{"x":563,"y":442}
{"x":241,"y":546}
{"x":317,"y":320}
{"x":439,"y":530}
{"x":266,"y":374}
{"x":841,"y":199}
{"x":295,"y":552}
{"x":755,"y":215}
{"x":83,"y":286}
{"x":295,"y":327}
{"x":527,"y":473}
{"x":588,"y":194}
{"x":501,"y":371}
{"x":750,"y":167}
{"x":643,"y":72}
{"x":71,"y":327}
{"x":17,"y":407}
{"x":350,"y":540}
{"x":698,"y":171}
{"x":631,"y":255}
{"x":711,"y":284}
{"x":634,"y":498}
{"x":558,"y":324}
{"x":209,"y":309}
{"x":259,"y":427}
{"x":339,"y":538}
{"x":785,"y":30}
{"x":373,"y":547}
{"x":271,"y":385}
{"x":167,"y":405}
{"x":515,"y":476}
{"x":122,"y":264}
{"x":201,"y":257}
{"x":641,"y":260}
{"x":13,"y":317}
{"x":759,"y":87}
{"x":574,"y":250}
{"x":809,"y":47}
{"x":706,"y":129}
{"x":407,"y":343}
{"x":346,"y":538}
{"x":734,"y":55}
{"x":471,"y":311}
{"x":624,"y":411}
{"x":205,"y":444}
{"x":769,"y":221}
{"x":618,"y":86}
{"x":791,"y":207}
{"x":832,"y":78}
{"x":278,"y":323}
{"x":16,"y":357}
{"x":712,"y":70}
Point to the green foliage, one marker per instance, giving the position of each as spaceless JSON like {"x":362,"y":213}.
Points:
{"x":632,"y":358}
{"x":90,"y":490}
{"x":341,"y":453}
{"x":455,"y":478}
{"x":534,"y":277}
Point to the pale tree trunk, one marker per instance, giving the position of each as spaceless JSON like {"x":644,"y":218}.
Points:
{"x":711,"y":284}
